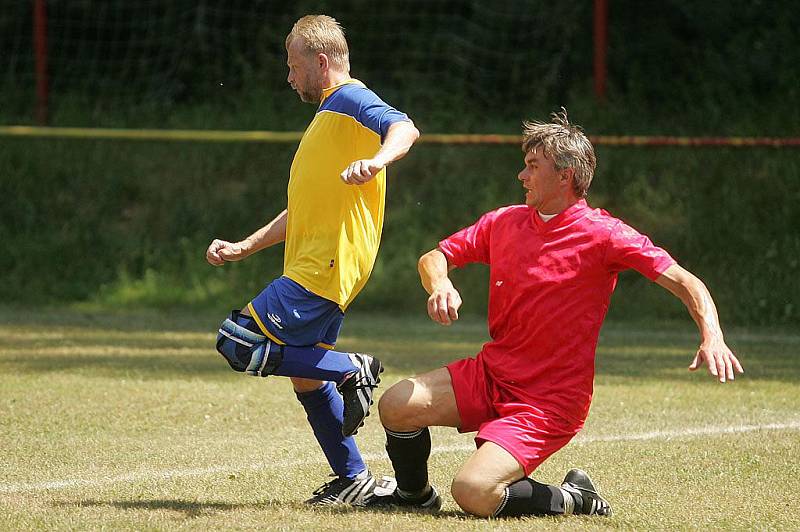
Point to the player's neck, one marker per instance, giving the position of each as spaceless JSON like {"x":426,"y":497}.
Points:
{"x":335,"y":77}
{"x":556,"y":207}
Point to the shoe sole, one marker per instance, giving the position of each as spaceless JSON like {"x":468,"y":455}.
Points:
{"x":373,"y":377}
{"x":371,"y":402}
{"x":432,"y":504}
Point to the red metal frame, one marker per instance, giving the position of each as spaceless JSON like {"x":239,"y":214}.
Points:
{"x":600,"y":48}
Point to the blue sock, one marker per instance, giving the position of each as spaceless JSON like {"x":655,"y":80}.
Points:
{"x":324,"y":408}
{"x":315,"y":363}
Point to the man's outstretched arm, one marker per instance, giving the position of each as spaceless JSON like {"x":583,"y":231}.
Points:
{"x":221,"y":251}
{"x":713,"y":351}
{"x":444,"y":300}
{"x":399,"y":139}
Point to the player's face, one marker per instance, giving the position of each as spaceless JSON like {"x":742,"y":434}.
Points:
{"x":545,"y":184}
{"x":305,"y":72}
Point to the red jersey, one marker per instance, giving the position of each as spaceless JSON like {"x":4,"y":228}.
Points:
{"x":550,"y":285}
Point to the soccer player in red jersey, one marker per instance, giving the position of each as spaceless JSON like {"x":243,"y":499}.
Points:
{"x":553,"y":266}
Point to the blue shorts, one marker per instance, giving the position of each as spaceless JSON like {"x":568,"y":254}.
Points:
{"x":291,"y":315}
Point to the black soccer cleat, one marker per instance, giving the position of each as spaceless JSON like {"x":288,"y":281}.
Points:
{"x":384,"y":498}
{"x":587,"y":500}
{"x":357,"y":390}
{"x":342,"y":490}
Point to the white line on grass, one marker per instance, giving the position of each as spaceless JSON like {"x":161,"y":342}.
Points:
{"x":182,"y":473}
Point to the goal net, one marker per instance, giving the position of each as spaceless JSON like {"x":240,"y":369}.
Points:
{"x":441,"y":54}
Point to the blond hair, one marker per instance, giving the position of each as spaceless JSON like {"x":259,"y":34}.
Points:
{"x":322,"y":34}
{"x":566,"y":144}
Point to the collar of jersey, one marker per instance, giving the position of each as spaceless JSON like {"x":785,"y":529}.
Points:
{"x":330,"y":90}
{"x":558,"y":219}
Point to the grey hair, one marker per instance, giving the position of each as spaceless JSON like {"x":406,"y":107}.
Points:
{"x":566,"y":144}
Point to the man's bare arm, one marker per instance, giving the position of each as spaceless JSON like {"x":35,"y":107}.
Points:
{"x":721,"y":361}
{"x":221,"y":251}
{"x":444,"y":300}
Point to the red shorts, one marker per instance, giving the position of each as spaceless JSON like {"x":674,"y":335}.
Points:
{"x":528,"y":433}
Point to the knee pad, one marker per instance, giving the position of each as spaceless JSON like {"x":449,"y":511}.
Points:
{"x":246,"y":350}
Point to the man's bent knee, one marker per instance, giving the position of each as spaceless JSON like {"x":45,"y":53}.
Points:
{"x":480,"y":485}
{"x":245,"y":349}
{"x":475,"y":495}
{"x":397,"y":409}
{"x":423,"y":401}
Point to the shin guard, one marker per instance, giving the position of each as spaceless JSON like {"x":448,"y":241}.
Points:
{"x":528,"y":497}
{"x":244,"y":347}
{"x":409,"y":453}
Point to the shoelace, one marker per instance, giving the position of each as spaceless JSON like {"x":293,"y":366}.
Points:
{"x":581,"y":488}
{"x":599,"y":506}
{"x":364,"y":386}
{"x":361,"y":381}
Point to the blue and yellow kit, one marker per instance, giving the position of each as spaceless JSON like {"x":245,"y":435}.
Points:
{"x":334,"y":229}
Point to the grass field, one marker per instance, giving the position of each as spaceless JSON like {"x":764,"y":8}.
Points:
{"x":131,"y":421}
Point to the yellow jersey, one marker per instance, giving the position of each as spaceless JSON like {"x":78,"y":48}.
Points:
{"x":334,"y":229}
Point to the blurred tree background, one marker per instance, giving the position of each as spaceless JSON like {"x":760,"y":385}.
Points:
{"x":127,"y":222}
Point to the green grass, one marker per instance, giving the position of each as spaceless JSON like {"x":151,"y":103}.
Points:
{"x":131,"y":421}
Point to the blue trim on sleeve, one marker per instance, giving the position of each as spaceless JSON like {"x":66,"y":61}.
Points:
{"x":365,"y":106}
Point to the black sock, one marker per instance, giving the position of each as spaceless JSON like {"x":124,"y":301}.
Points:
{"x":528,"y":497}
{"x":409,"y":452}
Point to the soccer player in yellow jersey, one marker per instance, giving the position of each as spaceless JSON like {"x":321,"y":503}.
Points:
{"x":332,"y":228}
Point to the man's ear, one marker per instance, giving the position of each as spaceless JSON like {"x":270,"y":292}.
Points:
{"x":323,"y":62}
{"x":567,"y":174}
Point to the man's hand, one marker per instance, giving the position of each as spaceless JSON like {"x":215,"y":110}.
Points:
{"x":220,"y":251}
{"x":443,"y":304}
{"x":721,"y":361}
{"x":399,"y":138}
{"x":361,"y":171}
{"x":713,"y":351}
